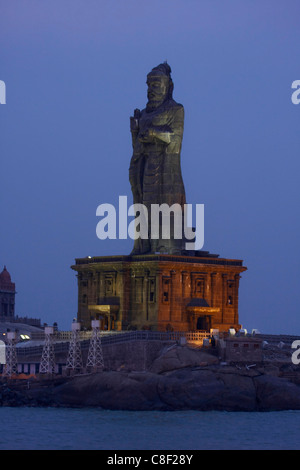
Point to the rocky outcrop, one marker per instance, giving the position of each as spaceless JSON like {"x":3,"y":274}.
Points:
{"x":179,"y":378}
{"x":174,"y":357}
{"x":276,"y":393}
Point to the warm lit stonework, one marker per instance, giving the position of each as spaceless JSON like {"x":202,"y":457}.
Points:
{"x":163,"y":284}
{"x":159,"y":292}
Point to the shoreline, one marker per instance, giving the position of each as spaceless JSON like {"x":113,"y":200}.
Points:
{"x":179,"y":378}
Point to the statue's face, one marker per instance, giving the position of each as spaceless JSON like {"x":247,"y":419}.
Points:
{"x":157,"y":90}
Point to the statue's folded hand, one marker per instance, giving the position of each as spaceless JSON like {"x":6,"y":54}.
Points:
{"x":147,"y":136}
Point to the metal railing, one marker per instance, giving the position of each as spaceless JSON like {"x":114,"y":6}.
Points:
{"x":66,"y":335}
{"x":61,"y":343}
{"x":144,"y":335}
{"x":275,"y":339}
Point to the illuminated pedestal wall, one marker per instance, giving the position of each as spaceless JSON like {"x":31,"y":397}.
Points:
{"x":159,"y":292}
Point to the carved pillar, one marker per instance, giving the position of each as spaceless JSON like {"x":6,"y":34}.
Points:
{"x":184,"y":282}
{"x":145,"y":295}
{"x":207,"y":288}
{"x":213,"y":288}
{"x":224,"y":295}
{"x":101,"y":290}
{"x":166,"y":293}
{"x":184,"y":295}
{"x":174,"y":310}
{"x":93,"y":287}
{"x":158,"y":295}
{"x":236,"y":298}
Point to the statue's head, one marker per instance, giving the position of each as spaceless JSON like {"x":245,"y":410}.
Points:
{"x":160,"y":85}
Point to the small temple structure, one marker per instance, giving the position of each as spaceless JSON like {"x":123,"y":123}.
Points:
{"x":7,"y":296}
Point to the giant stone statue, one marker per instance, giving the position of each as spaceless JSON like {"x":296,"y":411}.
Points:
{"x":155,"y":170}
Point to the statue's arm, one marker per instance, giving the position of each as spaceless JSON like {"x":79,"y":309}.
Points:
{"x":176,"y":124}
{"x":160,"y":133}
{"x":170,"y":133}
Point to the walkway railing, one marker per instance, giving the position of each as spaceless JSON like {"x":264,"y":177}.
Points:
{"x":61,"y":343}
{"x":275,"y":339}
{"x":66,"y":335}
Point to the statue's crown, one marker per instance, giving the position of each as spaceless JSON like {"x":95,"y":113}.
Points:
{"x":161,"y":70}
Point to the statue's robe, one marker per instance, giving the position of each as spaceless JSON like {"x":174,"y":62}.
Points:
{"x":155,"y":168}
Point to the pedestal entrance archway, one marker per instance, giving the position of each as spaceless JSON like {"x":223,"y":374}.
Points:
{"x":201,"y":316}
{"x":107,"y":314}
{"x":203,"y":322}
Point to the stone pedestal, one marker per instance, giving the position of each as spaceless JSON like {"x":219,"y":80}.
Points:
{"x":159,"y":292}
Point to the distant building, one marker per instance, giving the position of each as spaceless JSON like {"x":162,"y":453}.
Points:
{"x":242,"y":349}
{"x":7,"y":302}
{"x":7,"y":296}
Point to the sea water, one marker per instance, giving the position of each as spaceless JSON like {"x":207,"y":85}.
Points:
{"x":97,"y":429}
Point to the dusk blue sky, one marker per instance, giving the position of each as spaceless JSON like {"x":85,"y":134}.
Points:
{"x":75,"y":71}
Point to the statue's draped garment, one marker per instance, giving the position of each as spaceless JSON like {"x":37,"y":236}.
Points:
{"x":155,"y":168}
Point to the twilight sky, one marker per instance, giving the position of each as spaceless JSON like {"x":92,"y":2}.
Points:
{"x":74,"y":72}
